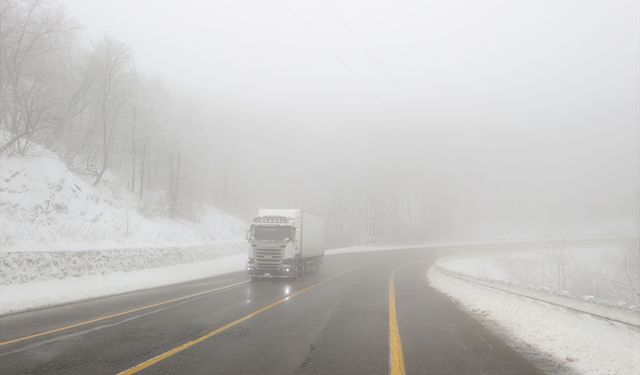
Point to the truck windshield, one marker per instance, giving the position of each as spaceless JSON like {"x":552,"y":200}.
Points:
{"x":272,"y":233}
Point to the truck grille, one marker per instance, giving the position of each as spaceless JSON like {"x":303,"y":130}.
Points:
{"x":268,"y":259}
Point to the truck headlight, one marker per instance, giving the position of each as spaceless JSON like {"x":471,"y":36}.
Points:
{"x":286,"y":267}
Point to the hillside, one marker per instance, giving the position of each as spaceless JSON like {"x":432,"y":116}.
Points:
{"x":45,"y":206}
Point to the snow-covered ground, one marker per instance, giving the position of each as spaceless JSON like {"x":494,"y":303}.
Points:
{"x":45,"y":206}
{"x":24,"y":296}
{"x":369,"y":248}
{"x":573,"y":340}
{"x":607,"y":271}
{"x":35,"y":266}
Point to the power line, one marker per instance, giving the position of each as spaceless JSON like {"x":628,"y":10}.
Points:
{"x":362,"y":45}
{"x":333,"y":53}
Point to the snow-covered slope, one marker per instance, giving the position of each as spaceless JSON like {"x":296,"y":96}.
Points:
{"x":45,"y":206}
{"x":63,"y":240}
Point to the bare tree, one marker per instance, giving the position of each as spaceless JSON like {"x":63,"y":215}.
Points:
{"x":112,"y":64}
{"x":175,"y":168}
{"x":134,"y":123}
{"x":73,"y":130}
{"x":631,"y":266}
{"x":560,"y":258}
{"x":31,"y":32}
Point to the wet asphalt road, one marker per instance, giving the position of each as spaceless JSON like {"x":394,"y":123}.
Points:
{"x":336,"y":321}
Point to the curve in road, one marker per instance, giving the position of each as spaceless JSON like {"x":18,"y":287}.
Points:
{"x":365,"y":313}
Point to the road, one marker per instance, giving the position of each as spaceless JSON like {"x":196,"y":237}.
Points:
{"x":363,"y":313}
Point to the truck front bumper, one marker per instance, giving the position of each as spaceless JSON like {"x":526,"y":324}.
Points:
{"x":271,"y":274}
{"x":284,"y":271}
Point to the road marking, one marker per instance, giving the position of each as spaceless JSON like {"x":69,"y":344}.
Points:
{"x":111,"y":316}
{"x":396,"y":356}
{"x":74,"y":334}
{"x":161,"y":357}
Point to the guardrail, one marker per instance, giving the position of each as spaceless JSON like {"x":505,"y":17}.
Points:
{"x":595,"y":307}
{"x":29,"y":266}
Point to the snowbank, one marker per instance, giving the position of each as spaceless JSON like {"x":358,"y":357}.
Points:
{"x":597,"y":279}
{"x":484,"y":246}
{"x":581,"y":342}
{"x":19,"y":297}
{"x":369,"y":248}
{"x":618,"y":312}
{"x":536,"y":265}
{"x":28,"y":267}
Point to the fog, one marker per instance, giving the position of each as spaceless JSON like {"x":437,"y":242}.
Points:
{"x":320,"y":187}
{"x":404,"y":120}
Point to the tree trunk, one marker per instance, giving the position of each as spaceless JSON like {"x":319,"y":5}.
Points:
{"x":144,"y":156}
{"x":175,"y":178}
{"x":133,"y":152}
{"x":105,"y":151}
{"x":13,"y":140}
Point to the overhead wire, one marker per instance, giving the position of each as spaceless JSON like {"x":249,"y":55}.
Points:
{"x":372,"y":56}
{"x":355,"y":37}
{"x":327,"y":47}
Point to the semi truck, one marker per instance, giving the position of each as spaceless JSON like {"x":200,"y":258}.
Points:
{"x":285,"y":243}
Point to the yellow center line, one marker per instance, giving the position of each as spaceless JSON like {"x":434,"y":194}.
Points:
{"x":161,"y":357}
{"x":396,"y":356}
{"x":111,"y":316}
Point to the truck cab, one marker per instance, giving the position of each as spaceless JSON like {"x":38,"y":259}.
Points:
{"x":284,"y":244}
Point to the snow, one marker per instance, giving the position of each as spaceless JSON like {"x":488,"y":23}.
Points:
{"x":30,"y":266}
{"x":598,"y":272}
{"x":64,"y":240}
{"x":597,"y":307}
{"x":45,"y":206}
{"x":19,"y":297}
{"x":585,"y":344}
{"x":503,"y":244}
{"x":369,"y":248}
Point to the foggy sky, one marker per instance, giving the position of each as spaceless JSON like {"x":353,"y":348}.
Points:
{"x":527,"y":109}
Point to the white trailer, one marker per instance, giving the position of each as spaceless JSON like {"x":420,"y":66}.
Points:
{"x":285,"y":243}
